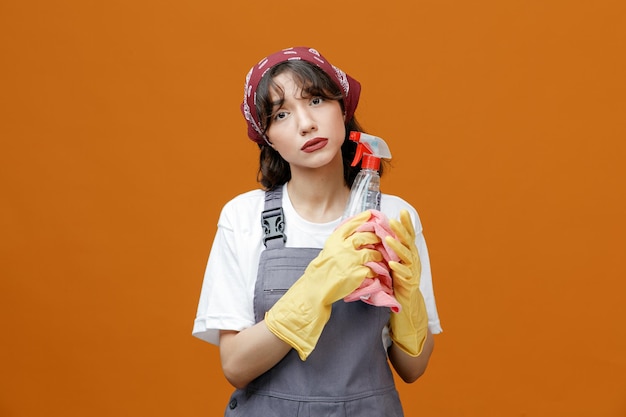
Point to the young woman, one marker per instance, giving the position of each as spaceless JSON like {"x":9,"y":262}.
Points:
{"x":282,"y":261}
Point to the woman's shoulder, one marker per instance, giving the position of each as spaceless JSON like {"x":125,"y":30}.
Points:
{"x":390,"y":202}
{"x":249,"y":197}
{"x":242,"y":207}
{"x":391,"y":205}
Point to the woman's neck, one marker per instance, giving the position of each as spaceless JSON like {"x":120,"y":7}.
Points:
{"x":318,"y":198}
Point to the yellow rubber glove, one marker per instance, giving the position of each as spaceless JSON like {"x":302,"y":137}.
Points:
{"x":300,"y":315}
{"x":408,"y":328}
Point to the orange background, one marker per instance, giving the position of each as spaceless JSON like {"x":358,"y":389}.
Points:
{"x":121,"y":139}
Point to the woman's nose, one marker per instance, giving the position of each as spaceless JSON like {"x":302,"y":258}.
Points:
{"x":307,"y":122}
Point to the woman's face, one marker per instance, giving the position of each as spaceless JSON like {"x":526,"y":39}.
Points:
{"x":306,"y":131}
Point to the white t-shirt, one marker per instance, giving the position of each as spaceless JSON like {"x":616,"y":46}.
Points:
{"x":226,"y":299}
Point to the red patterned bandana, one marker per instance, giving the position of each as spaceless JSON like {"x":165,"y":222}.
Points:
{"x":350,"y":87}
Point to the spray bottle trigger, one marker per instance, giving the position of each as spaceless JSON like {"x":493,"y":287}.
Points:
{"x":360,"y":149}
{"x":358,"y":154}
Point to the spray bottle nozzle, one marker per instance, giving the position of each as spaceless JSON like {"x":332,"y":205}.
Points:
{"x":370,"y":148}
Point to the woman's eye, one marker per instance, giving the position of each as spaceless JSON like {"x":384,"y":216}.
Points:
{"x":280,"y":115}
{"x":316,"y":100}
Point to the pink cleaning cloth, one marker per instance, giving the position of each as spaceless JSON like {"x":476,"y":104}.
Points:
{"x":378,"y":291}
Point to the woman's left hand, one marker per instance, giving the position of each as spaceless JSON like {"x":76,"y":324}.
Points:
{"x":409,"y":327}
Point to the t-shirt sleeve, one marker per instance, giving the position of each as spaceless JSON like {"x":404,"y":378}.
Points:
{"x":225,"y":302}
{"x":426,"y":283}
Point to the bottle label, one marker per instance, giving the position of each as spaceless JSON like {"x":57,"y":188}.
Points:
{"x":372,"y":201}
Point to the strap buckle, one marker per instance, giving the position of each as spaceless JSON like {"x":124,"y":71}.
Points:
{"x":273,"y":222}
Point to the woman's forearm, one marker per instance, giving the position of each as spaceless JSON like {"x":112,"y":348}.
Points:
{"x":410,"y":368}
{"x":249,"y":353}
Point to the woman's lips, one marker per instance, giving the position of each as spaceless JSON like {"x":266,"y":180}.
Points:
{"x":314,"y":144}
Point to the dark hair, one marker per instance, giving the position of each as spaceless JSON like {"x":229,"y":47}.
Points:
{"x":273,"y":169}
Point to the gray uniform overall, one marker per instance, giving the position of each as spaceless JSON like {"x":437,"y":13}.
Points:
{"x":347,"y":375}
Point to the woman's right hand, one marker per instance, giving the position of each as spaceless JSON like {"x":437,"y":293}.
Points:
{"x":340,"y":267}
{"x":300,"y":315}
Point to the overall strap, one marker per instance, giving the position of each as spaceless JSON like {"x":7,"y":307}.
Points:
{"x":273,"y":219}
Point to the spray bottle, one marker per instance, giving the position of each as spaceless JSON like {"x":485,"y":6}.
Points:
{"x":365,"y":192}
